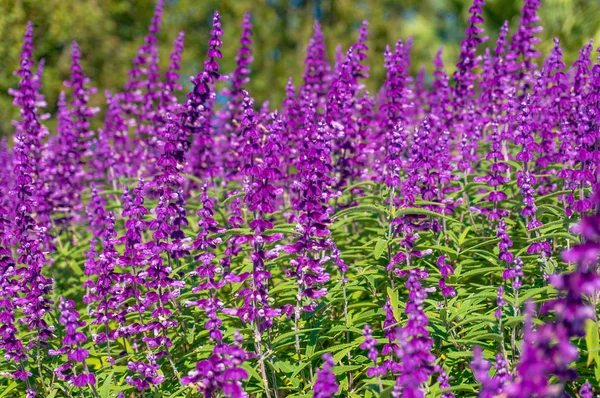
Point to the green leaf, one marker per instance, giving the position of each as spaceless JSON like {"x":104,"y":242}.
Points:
{"x":393,"y":296}
{"x":463,"y":236}
{"x":8,"y":389}
{"x":414,"y":210}
{"x":251,"y":371}
{"x":592,"y":341}
{"x":230,"y":199}
{"x":564,"y":235}
{"x":284,"y":336}
{"x":379,"y":248}
{"x":359,"y":184}
{"x":105,"y":391}
{"x":191,"y":177}
{"x":53,"y":393}
{"x":485,"y":243}
{"x":362,"y":210}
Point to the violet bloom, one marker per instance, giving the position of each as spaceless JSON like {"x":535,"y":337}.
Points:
{"x":522,"y":53}
{"x":439,"y":98}
{"x":326,"y":384}
{"x":586,"y":390}
{"x":313,"y":186}
{"x":417,"y":363}
{"x":168,"y":237}
{"x":81,"y":114}
{"x":142,"y":90}
{"x":548,"y":351}
{"x":116,"y":131}
{"x":207,"y":270}
{"x":67,"y":176}
{"x":397,"y":93}
{"x":72,"y":347}
{"x":145,"y":375}
{"x":32,"y":299}
{"x":339,"y":116}
{"x":396,"y":144}
{"x":101,"y":292}
{"x":582,"y":121}
{"x":504,"y":245}
{"x":494,"y":81}
{"x":500,"y":301}
{"x":134,"y":257}
{"x":102,"y":165}
{"x":496,"y":178}
{"x":222,"y":371}
{"x":6,"y":174}
{"x":168,"y":99}
{"x":444,"y":382}
{"x":197,"y":110}
{"x":317,"y":72}
{"x":446,"y":270}
{"x":232,"y":113}
{"x":292,"y":114}
{"x":514,"y":273}
{"x":552,"y":98}
{"x":370,"y":345}
{"x":490,"y":387}
{"x":464,"y":93}
{"x":9,"y":341}
{"x":389,"y":327}
{"x":261,"y":171}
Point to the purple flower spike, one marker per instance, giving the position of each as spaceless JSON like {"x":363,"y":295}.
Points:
{"x":316,"y":72}
{"x":221,"y":371}
{"x":548,"y":351}
{"x":72,"y":342}
{"x":195,"y":117}
{"x":326,"y":385}
{"x":446,"y":270}
{"x":34,"y":288}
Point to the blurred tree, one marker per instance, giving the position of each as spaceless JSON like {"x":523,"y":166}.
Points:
{"x":109,"y":32}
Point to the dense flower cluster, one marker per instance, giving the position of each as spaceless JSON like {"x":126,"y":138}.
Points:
{"x":337,"y":244}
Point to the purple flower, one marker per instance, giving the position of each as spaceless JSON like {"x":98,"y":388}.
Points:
{"x":548,"y":351}
{"x":195,"y":116}
{"x":72,"y":347}
{"x":417,"y":363}
{"x":81,"y":114}
{"x":230,"y":116}
{"x":446,"y":270}
{"x":586,"y":390}
{"x":145,"y":376}
{"x":490,"y":386}
{"x":521,"y":54}
{"x":316,"y":72}
{"x":32,"y":299}
{"x":326,"y":384}
{"x":464,"y":92}
{"x":222,"y":371}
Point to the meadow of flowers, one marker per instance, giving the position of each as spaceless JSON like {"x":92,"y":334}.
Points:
{"x":438,"y":238}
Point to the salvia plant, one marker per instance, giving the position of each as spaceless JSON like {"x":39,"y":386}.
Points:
{"x":438,"y":237}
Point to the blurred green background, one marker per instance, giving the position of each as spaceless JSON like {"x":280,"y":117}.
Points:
{"x":109,"y":32}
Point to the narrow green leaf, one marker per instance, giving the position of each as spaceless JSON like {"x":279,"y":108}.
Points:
{"x":485,"y":243}
{"x":231,"y":198}
{"x":414,"y":210}
{"x":393,"y":296}
{"x":8,"y":389}
{"x":362,"y":210}
{"x":105,"y":391}
{"x":284,"y":336}
{"x":379,"y":248}
{"x":591,"y":340}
